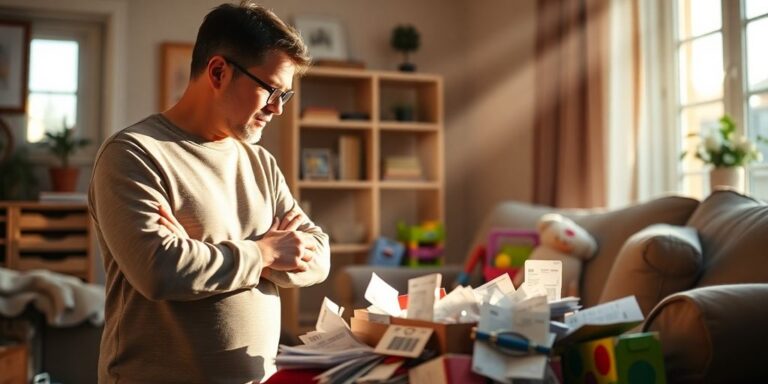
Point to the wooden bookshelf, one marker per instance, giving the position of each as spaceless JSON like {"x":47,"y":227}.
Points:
{"x":369,"y":97}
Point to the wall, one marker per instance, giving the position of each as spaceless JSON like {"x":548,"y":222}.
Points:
{"x":484,"y":50}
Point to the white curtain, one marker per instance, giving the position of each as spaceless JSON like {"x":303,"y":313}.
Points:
{"x":639,"y":144}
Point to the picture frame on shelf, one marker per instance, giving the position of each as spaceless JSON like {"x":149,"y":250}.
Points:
{"x":175,"y":61}
{"x":317,"y":164}
{"x":323,"y":35}
{"x":14,"y":65}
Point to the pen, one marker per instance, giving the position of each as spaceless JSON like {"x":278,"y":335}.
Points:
{"x":511,"y":341}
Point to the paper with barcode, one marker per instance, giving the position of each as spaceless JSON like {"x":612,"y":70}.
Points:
{"x":329,"y":319}
{"x":547,"y":274}
{"x":338,"y":340}
{"x":618,"y":311}
{"x":382,"y":296}
{"x":421,"y":296}
{"x":400,"y":340}
{"x":495,"y":290}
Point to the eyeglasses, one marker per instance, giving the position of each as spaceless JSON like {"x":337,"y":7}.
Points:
{"x":274,"y":93}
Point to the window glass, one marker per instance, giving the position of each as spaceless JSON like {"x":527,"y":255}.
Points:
{"x":49,"y":112}
{"x":53,"y":80}
{"x":758,"y":121}
{"x":53,"y":66}
{"x":695,"y":122}
{"x":755,"y":8}
{"x":697,"y":17}
{"x":694,"y":185}
{"x":757,"y":54}
{"x":701,"y":69}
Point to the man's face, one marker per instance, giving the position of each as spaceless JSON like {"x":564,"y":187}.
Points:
{"x":245,"y":102}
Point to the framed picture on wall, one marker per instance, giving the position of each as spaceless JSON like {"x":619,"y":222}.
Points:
{"x":323,"y":35}
{"x":175,"y":60}
{"x":316,"y":164}
{"x":14,"y":57}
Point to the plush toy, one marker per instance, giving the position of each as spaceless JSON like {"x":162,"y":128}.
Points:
{"x":562,"y":239}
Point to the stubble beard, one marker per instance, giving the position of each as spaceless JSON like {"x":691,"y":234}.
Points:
{"x":248,"y":133}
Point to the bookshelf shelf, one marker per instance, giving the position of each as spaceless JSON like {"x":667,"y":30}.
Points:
{"x":334,"y":184}
{"x":408,"y":127}
{"x":337,"y":248}
{"x":335,"y":124}
{"x":381,"y":145}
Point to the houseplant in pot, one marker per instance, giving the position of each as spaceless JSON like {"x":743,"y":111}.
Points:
{"x":728,"y":154}
{"x":62,"y":144}
{"x":405,"y":38}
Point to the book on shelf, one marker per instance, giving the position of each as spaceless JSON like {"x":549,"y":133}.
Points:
{"x":321,"y":114}
{"x":63,"y":197}
{"x":402,"y":168}
{"x":350,"y":152}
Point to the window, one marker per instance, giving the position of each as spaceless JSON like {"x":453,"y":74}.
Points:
{"x":53,"y":79}
{"x":65,"y":76}
{"x":721,"y":68}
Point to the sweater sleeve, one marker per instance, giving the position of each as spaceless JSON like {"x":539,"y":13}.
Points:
{"x":320,"y":265}
{"x":125,"y":190}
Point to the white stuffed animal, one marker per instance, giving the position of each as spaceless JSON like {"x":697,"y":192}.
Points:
{"x":562,"y":239}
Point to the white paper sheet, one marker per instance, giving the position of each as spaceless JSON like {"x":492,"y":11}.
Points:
{"x":421,"y":296}
{"x":382,"y":296}
{"x":329,"y":319}
{"x":495,"y":289}
{"x":547,"y":274}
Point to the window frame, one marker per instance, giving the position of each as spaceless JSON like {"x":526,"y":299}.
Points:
{"x":736,"y":92}
{"x":88,"y":34}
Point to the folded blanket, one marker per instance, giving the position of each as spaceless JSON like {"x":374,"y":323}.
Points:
{"x":65,"y":300}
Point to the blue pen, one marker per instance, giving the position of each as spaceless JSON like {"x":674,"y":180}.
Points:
{"x":511,"y":341}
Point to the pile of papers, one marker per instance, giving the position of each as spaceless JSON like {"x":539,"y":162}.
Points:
{"x":331,"y":345}
{"x":515,"y":328}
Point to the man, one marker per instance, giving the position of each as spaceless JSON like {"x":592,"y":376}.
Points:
{"x":197,"y":225}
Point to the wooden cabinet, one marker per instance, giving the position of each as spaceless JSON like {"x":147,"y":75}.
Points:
{"x":52,"y":236}
{"x":13,"y":364}
{"x":395,"y":118}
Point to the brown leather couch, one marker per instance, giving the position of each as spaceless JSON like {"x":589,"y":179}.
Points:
{"x":697,"y":269}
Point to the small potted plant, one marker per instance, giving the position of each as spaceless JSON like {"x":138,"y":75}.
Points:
{"x":62,"y":144}
{"x":405,"y":38}
{"x":727,"y":153}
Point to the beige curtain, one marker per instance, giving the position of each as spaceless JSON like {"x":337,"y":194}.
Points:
{"x":571,"y":64}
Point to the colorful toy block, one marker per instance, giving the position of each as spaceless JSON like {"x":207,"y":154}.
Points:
{"x":424,"y":242}
{"x":507,"y":251}
{"x":626,"y":359}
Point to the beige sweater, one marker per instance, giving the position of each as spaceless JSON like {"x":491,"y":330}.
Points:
{"x":190,"y":310}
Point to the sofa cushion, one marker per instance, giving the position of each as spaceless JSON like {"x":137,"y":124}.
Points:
{"x":714,"y":334}
{"x":612,"y":229}
{"x":609,"y":228}
{"x":733,"y":230}
{"x":658,"y":261}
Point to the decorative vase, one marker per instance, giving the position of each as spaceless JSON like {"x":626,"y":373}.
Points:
{"x":732,"y":177}
{"x":64,"y":179}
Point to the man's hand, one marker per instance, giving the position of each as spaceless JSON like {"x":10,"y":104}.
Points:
{"x":167,"y":220}
{"x":284,"y":248}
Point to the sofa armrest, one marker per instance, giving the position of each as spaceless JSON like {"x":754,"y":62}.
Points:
{"x":350,"y":282}
{"x":714,"y":334}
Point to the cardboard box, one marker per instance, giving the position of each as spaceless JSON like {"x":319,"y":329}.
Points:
{"x":631,"y":358}
{"x":447,"y":338}
{"x":446,"y":369}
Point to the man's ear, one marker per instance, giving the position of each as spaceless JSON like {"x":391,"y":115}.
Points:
{"x":216,"y":71}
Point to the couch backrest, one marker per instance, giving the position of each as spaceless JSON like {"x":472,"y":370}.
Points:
{"x":611,"y":229}
{"x":733,"y":230}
